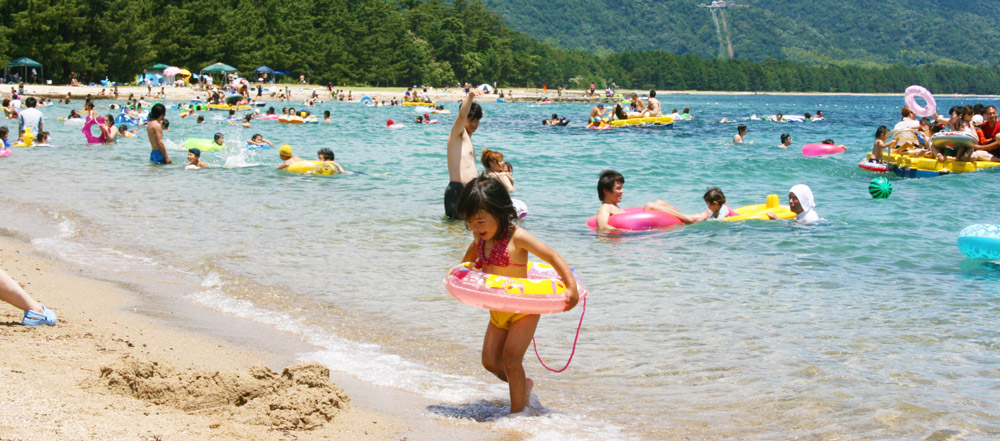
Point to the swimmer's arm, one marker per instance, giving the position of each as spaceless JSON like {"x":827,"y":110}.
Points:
{"x":504,"y":179}
{"x":458,"y":129}
{"x":527,"y":241}
{"x":603,"y":214}
{"x":283,"y":165}
{"x":471,"y":253}
{"x":339,"y":168}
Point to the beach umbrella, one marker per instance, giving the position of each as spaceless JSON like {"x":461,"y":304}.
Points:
{"x":219,"y":67}
{"x":158,"y":66}
{"x":25,"y":63}
{"x":485,"y":88}
{"x":171,"y":71}
{"x":264,"y":69}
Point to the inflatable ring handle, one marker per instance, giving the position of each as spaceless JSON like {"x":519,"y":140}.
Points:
{"x":910,"y":97}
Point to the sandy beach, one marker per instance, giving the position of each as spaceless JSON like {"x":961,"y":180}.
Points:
{"x":301,"y":92}
{"x":105,"y":372}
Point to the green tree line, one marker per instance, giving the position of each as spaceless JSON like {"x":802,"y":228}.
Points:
{"x":399,"y":43}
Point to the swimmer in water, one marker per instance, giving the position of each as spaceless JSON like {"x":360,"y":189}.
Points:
{"x":802,"y":203}
{"x":596,"y":115}
{"x":610,"y":191}
{"x":786,"y":141}
{"x":194,"y":159}
{"x":326,"y":155}
{"x":287,"y":158}
{"x":881,"y":135}
{"x":741,"y":131}
{"x":258,"y":140}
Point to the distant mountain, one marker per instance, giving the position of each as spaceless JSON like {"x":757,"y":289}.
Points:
{"x":865,"y":32}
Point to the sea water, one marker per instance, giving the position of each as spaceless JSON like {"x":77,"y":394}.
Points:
{"x":868,"y":325}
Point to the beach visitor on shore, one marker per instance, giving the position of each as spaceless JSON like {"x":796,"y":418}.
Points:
{"x":501,"y":247}
{"x":461,"y":153}
{"x":741,"y":131}
{"x":154,"y":129}
{"x":35,"y":313}
{"x":786,"y":141}
{"x":802,"y":203}
{"x":610,"y":191}
{"x":285,"y":153}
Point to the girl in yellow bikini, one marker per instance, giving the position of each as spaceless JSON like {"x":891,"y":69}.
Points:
{"x":501,"y":247}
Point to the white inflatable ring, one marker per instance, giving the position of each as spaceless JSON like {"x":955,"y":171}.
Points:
{"x":914,"y":91}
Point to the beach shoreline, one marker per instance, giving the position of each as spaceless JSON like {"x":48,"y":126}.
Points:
{"x":57,"y":380}
{"x":300,"y":92}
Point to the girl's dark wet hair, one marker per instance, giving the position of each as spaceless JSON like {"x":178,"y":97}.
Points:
{"x":218,"y":135}
{"x":715,"y":194}
{"x":487,"y":193}
{"x":880,"y":131}
{"x":829,"y":141}
{"x":607,"y":182}
{"x":741,"y":128}
{"x":785,"y":137}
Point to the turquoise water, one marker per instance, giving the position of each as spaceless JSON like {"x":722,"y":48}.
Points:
{"x":869,"y":325}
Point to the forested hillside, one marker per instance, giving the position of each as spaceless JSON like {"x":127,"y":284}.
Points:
{"x":861,"y":32}
{"x":437,"y":43}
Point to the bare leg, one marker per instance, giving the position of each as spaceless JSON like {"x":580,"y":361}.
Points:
{"x":12,"y":293}
{"x":493,"y":344}
{"x":665,"y":207}
{"x":514,"y":348}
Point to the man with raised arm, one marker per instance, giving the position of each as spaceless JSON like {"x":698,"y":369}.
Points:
{"x":461,"y":154}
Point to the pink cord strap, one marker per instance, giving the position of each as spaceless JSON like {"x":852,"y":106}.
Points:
{"x":533,"y":345}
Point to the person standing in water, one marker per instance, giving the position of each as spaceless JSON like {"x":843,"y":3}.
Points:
{"x":461,"y":153}
{"x":154,"y":129}
{"x":741,"y":131}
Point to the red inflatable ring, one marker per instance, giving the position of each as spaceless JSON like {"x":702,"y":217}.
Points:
{"x":90,"y":135}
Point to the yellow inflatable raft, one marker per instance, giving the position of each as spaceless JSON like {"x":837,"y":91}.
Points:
{"x":759,"y":211}
{"x":417,"y":103}
{"x":640,"y":120}
{"x":322,"y":168}
{"x":918,"y":167}
{"x":227,"y":107}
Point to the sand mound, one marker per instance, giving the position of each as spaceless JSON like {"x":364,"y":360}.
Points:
{"x":302,"y":396}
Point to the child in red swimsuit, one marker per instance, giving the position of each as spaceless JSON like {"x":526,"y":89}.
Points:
{"x":500,"y":247}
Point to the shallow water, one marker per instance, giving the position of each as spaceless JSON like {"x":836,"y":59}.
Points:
{"x":870,"y":325}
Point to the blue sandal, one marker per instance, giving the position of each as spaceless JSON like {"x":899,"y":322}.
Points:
{"x":32,"y":318}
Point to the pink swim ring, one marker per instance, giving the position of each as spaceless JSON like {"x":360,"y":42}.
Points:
{"x":638,"y":219}
{"x":90,"y":135}
{"x":818,"y":149}
{"x":542,"y":292}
